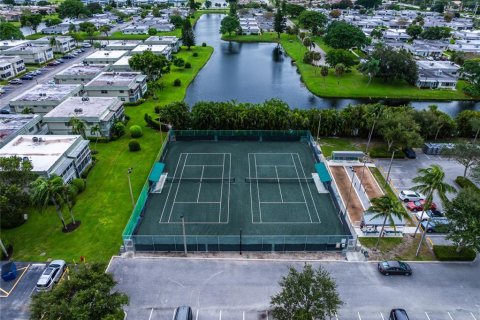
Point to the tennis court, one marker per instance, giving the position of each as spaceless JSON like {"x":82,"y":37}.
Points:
{"x":223,"y":188}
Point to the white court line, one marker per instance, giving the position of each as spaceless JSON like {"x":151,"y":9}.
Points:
{"x":473,"y":316}
{"x":170,"y":189}
{"x":449,"y":315}
{"x":196,"y":316}
{"x":191,"y":202}
{"x":229,"y":185}
{"x":427,"y":315}
{"x":359,"y":316}
{"x":200,"y":186}
{"x":151,"y":312}
{"x":279,"y":187}
{"x":381,"y":314}
{"x":258,"y":187}
{"x":203,"y":165}
{"x":301,"y":188}
{"x":308,"y":186}
{"x":221,"y":191}
{"x":288,"y":202}
{"x":278,"y":165}
{"x":178,"y":187}
{"x":251,"y":196}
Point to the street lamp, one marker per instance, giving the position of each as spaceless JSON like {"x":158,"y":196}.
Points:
{"x":390,"y":167}
{"x":184,"y":236}
{"x":350,"y":190}
{"x":130,"y":186}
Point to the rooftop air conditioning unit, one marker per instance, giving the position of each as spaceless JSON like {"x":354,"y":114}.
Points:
{"x":34,"y":139}
{"x":40,"y":139}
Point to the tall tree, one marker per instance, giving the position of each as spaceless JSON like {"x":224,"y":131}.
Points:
{"x":229,"y":24}
{"x":28,"y":19}
{"x":369,"y":3}
{"x":339,"y":69}
{"x":387,"y":208}
{"x":430,"y":181}
{"x":467,"y":154}
{"x":279,"y":22}
{"x":49,"y":190}
{"x":324,"y":73}
{"x":150,"y":64}
{"x":87,"y":293}
{"x":78,"y":126}
{"x":312,"y":20}
{"x":398,"y":128}
{"x":307,"y":294}
{"x":105,"y":29}
{"x":475,"y":124}
{"x":414,"y":30}
{"x":97,"y":132}
{"x":434,"y":123}
{"x":72,"y":9}
{"x":464,"y":216}
{"x":336,"y":56}
{"x":370,"y":68}
{"x":8,"y":31}
{"x":188,"y":37}
{"x":471,"y":71}
{"x":342,"y":35}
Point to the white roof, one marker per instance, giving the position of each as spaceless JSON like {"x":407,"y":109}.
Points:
{"x":43,"y":155}
{"x":82,"y":107}
{"x":149,"y":47}
{"x":110,"y":54}
{"x":123,"y":61}
{"x":48,"y":92}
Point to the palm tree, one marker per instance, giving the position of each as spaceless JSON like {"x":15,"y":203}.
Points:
{"x":387,"y":208}
{"x":475,"y":124}
{"x":53,"y":43}
{"x":95,"y":131}
{"x":78,"y":126}
{"x":339,"y":70}
{"x":49,"y":190}
{"x":68,"y":196}
{"x":429,"y":181}
{"x":324,"y":73}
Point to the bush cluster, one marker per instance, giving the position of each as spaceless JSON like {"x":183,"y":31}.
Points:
{"x":136,"y":131}
{"x":79,"y":184}
{"x":177,"y":83}
{"x":134,"y":145}
{"x":466,"y":183}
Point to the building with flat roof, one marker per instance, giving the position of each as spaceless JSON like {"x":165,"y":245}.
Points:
{"x":42,"y":98}
{"x":101,"y":111}
{"x":105,"y":57}
{"x":7,"y":44}
{"x":10,"y":66}
{"x":12,"y":125}
{"x":156,"y":49}
{"x":122,"y":44}
{"x":63,"y":43}
{"x":127,"y":86}
{"x":79,"y":73}
{"x":437,"y":75}
{"x":65,"y":156}
{"x":171,"y":41}
{"x":122,"y":65}
{"x":135,"y":30}
{"x":34,"y":54}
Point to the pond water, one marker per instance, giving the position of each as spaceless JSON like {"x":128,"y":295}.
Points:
{"x":255,"y":72}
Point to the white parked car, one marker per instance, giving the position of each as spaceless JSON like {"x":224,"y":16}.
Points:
{"x":424,"y":215}
{"x":51,"y":275}
{"x":409,"y":195}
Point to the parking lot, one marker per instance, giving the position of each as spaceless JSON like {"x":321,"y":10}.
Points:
{"x":404,"y":170}
{"x":15,"y":295}
{"x":241,"y":289}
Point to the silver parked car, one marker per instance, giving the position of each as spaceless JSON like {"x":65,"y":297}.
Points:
{"x":51,"y":275}
{"x":410,"y":195}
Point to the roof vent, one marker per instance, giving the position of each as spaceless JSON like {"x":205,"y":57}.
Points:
{"x":34,"y":139}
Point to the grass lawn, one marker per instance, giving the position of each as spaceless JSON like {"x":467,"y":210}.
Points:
{"x":398,"y":249}
{"x":329,"y":144}
{"x":105,"y":206}
{"x":352,"y":84}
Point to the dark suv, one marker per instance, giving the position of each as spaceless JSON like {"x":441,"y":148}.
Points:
{"x":398,"y":314}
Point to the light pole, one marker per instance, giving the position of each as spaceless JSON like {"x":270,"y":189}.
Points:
{"x":130,"y":186}
{"x":318,"y":129}
{"x":368,"y":145}
{"x":423,"y":237}
{"x":184,"y":236}
{"x":389,"y":168}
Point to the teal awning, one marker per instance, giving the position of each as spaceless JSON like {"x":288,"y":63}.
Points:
{"x":322,"y":172}
{"x":156,"y":171}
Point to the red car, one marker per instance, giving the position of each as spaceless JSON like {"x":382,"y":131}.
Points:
{"x":418,"y":205}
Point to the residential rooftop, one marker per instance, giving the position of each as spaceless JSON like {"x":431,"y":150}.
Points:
{"x":43,"y":151}
{"x":11,"y":123}
{"x":83,"y":69}
{"x":149,"y":47}
{"x":113,"y":54}
{"x":116,"y":79}
{"x":5,"y":44}
{"x":425,"y":64}
{"x":44,"y":91}
{"x":123,"y":61}
{"x":116,"y":43}
{"x":83,"y":107}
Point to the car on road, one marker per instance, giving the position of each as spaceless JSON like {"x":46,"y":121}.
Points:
{"x":51,"y":275}
{"x":87,"y":45}
{"x":418,"y":205}
{"x":410,"y":195}
{"x":15,"y":81}
{"x":37,"y":72}
{"x":4,"y":111}
{"x":409,"y":153}
{"x":183,"y":313}
{"x":398,"y":314}
{"x":425,"y":215}
{"x":68,"y":56}
{"x":394,"y":268}
{"x":26,"y":77}
{"x":436,"y":225}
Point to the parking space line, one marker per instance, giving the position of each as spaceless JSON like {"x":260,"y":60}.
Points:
{"x":266,"y":313}
{"x":359,"y":316}
{"x":6,"y":292}
{"x":449,"y":315}
{"x":151,"y":312}
{"x":243,"y":315}
{"x":18,"y":280}
{"x":336,"y":316}
{"x":196,"y":316}
{"x":173,"y":315}
{"x":381,"y":314}
{"x":427,"y":315}
{"x":220,"y":317}
{"x":473,"y":316}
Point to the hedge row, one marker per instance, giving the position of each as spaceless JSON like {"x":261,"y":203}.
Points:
{"x":466,"y":183}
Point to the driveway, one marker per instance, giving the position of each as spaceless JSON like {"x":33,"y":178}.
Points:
{"x":404,"y":170}
{"x":241,"y":289}
{"x":14,"y":90}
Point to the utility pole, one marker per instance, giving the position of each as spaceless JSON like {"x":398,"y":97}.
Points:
{"x":130,"y":186}
{"x":368,"y":145}
{"x":423,"y":237}
{"x":184,"y":236}
{"x":318,"y":129}
{"x":389,"y":168}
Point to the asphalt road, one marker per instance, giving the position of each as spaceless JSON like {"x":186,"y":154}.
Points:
{"x":15,"y":90}
{"x":236,"y":289}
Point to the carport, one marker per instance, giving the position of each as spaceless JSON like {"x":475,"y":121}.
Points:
{"x":373,"y":225}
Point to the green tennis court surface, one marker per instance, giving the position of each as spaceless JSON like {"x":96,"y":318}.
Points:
{"x":221,"y":187}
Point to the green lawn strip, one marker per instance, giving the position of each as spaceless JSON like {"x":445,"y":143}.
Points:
{"x":385,"y":245}
{"x":264,"y":37}
{"x":388,"y":246}
{"x":329,"y":144}
{"x":449,"y":253}
{"x":381,"y":181}
{"x":105,"y":206}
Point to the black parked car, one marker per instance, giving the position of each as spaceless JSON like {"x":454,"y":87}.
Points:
{"x":394,"y":268}
{"x":409,"y":153}
{"x":26,"y":77}
{"x":398,"y":314}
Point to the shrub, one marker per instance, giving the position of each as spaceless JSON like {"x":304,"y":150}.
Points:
{"x":195,"y":54}
{"x":79,"y":184}
{"x":188,"y":65}
{"x":449,"y":253}
{"x":466,"y":183}
{"x":136,"y":131}
{"x":85,"y":172}
{"x":134,"y":145}
{"x":118,"y":129}
{"x":204,"y":44}
{"x":133,"y":104}
{"x":177,"y":83}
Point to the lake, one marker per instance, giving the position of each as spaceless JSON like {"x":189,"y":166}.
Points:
{"x":255,"y":72}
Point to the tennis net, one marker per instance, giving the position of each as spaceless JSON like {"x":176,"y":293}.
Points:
{"x":277,"y":180}
{"x":173,"y":180}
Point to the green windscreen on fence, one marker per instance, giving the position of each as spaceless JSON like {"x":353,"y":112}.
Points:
{"x":322,"y":172}
{"x":156,"y":172}
{"x":241,"y":133}
{"x":132,"y":222}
